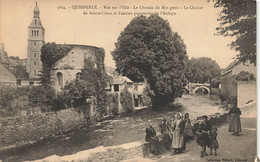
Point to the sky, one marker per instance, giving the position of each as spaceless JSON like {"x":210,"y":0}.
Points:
{"x":71,"y":26}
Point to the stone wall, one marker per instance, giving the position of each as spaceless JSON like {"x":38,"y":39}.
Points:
{"x":246,"y":91}
{"x":228,"y":86}
{"x":21,"y":130}
{"x":215,"y":91}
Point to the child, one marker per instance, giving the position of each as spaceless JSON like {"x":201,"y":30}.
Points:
{"x":188,"y":133}
{"x":213,"y":139}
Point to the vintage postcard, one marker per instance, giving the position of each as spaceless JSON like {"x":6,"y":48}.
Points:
{"x":128,"y":80}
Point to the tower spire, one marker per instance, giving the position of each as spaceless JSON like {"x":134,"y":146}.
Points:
{"x":36,"y":10}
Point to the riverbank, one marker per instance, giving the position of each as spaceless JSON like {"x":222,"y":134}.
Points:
{"x":241,"y":147}
{"x":128,"y":151}
{"x":113,"y":132}
{"x":232,"y":147}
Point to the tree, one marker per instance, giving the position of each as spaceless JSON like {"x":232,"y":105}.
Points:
{"x":20,"y":72}
{"x":238,"y":19}
{"x":148,"y":49}
{"x":244,"y":76}
{"x":203,"y":70}
{"x":93,"y":84}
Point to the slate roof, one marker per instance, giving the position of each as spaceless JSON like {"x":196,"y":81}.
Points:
{"x":38,"y":23}
{"x":6,"y":76}
{"x":127,"y":79}
{"x":118,"y":81}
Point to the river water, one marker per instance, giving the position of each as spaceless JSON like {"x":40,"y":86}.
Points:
{"x":116,"y":131}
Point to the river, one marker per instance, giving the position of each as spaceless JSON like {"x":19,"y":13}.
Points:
{"x":116,"y":131}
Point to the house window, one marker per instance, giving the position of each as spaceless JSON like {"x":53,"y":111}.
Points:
{"x":116,"y":88}
{"x":60,"y":79}
{"x":34,"y":54}
{"x":31,"y":83}
{"x":136,"y":87}
{"x":37,"y":33}
{"x":34,"y":43}
{"x":34,"y":71}
{"x":35,"y":21}
{"x":32,"y":32}
{"x":34,"y":63}
{"x":79,"y":76}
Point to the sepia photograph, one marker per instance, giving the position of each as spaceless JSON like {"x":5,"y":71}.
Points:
{"x":128,"y":80}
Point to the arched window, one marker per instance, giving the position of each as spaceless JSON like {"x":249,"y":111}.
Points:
{"x":32,"y":32}
{"x":60,"y":79}
{"x":37,"y":33}
{"x":79,"y":76}
{"x":35,"y":21}
{"x":34,"y":71}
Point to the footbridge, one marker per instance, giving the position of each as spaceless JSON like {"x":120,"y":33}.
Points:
{"x":203,"y":88}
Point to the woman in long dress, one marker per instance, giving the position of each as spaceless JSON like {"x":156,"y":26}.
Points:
{"x":165,"y":131}
{"x":234,"y":119}
{"x":178,"y":134}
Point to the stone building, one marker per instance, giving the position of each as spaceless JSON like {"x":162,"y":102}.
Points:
{"x":119,"y":83}
{"x":36,"y":39}
{"x":69,"y":67}
{"x":231,"y":88}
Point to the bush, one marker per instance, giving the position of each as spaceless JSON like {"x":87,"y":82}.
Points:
{"x":112,"y":103}
{"x":42,"y":96}
{"x":126,"y":100}
{"x":62,"y":101}
{"x":13,"y":100}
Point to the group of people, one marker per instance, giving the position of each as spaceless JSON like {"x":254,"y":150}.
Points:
{"x":178,"y":130}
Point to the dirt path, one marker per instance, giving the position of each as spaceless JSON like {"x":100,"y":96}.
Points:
{"x":241,"y":148}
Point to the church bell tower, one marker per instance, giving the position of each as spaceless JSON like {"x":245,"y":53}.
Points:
{"x":35,"y":42}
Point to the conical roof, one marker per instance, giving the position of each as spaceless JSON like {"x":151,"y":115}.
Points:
{"x":36,"y":11}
